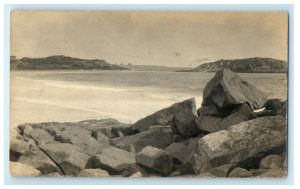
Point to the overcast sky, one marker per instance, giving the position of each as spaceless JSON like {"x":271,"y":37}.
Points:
{"x":155,"y":38}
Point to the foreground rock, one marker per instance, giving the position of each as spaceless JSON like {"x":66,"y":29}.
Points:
{"x":93,"y":173}
{"x":155,"y":159}
{"x":239,"y":144}
{"x":22,"y":170}
{"x":159,"y":137}
{"x":271,"y":162}
{"x":67,"y":156}
{"x":113,"y":160}
{"x":17,"y":148}
{"x":40,"y":161}
{"x":227,"y":89}
{"x":166,"y":115}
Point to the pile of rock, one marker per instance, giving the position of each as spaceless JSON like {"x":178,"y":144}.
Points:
{"x":226,"y":137}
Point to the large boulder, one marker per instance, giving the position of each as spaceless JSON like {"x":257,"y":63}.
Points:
{"x":271,"y":162}
{"x":239,"y":143}
{"x":159,"y":137}
{"x":40,"y":161}
{"x":69,"y":158}
{"x":210,"y":124}
{"x":93,"y":173}
{"x":40,"y":136}
{"x":184,"y":124}
{"x":22,"y":170}
{"x":155,"y":159}
{"x":166,"y":115}
{"x":113,"y":160}
{"x":227,"y":89}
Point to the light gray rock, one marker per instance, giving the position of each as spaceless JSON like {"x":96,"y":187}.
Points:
{"x":271,"y":162}
{"x":22,"y":170}
{"x":69,"y":158}
{"x":101,"y":138}
{"x":239,"y":173}
{"x":17,"y":148}
{"x":40,"y":136}
{"x":156,"y":137}
{"x":155,"y":159}
{"x":227,"y":89}
{"x":93,"y":173}
{"x":239,"y":142}
{"x":40,"y":161}
{"x":166,"y":115}
{"x":114,"y":160}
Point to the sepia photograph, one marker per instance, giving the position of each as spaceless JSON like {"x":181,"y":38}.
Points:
{"x":148,"y":94}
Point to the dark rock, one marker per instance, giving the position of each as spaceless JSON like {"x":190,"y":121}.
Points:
{"x":181,"y":150}
{"x":226,"y":89}
{"x":156,"y":137}
{"x":93,"y":173}
{"x":239,"y":173}
{"x":155,"y":159}
{"x":22,"y":170}
{"x":212,"y":124}
{"x":238,"y":144}
{"x":223,"y":170}
{"x":166,"y":115}
{"x":114,"y":160}
{"x":271,"y":162}
{"x":187,"y":167}
{"x":274,"y":105}
{"x":40,"y":161}
{"x":40,"y":136}
{"x":209,"y":110}
{"x":67,"y":156}
{"x":184,"y":124}
{"x":17,"y":148}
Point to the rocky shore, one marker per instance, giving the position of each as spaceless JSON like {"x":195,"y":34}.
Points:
{"x":237,"y":132}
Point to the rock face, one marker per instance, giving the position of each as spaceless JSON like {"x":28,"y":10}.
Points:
{"x":166,"y":115}
{"x":93,"y":173}
{"x":159,"y":137}
{"x":184,"y":124}
{"x":40,"y":161}
{"x":114,"y":160}
{"x":155,"y":159}
{"x":227,"y":89}
{"x":210,"y":124}
{"x":22,"y":170}
{"x":238,"y":144}
{"x":69,"y":158}
{"x":40,"y":136}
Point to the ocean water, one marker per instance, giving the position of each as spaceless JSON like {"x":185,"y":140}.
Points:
{"x":40,"y":96}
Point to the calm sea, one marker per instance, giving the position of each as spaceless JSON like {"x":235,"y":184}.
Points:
{"x":39,"y":96}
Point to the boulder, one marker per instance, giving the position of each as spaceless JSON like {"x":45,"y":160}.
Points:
{"x":166,"y":115}
{"x":181,"y":150}
{"x":238,"y":144}
{"x":114,"y":160}
{"x":93,"y":173}
{"x":76,"y":135}
{"x":159,"y":137}
{"x":22,"y":170}
{"x":15,"y":133}
{"x":271,"y":162}
{"x":209,"y":110}
{"x":273,"y":173}
{"x":40,"y":161}
{"x":184,"y":124}
{"x":239,"y":173}
{"x":226,"y":89}
{"x":25,"y":129}
{"x":17,"y":148}
{"x":155,"y":159}
{"x":67,"y":156}
{"x":274,"y":105}
{"x":210,"y":124}
{"x":223,"y":170}
{"x":40,"y":136}
{"x":101,"y":137}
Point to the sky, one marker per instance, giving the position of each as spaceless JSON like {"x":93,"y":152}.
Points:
{"x":152,"y":38}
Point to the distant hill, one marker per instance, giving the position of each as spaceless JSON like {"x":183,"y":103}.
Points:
{"x":61,"y":62}
{"x":154,"y":68}
{"x":249,"y":65}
